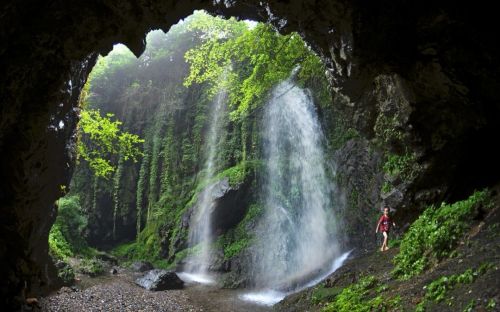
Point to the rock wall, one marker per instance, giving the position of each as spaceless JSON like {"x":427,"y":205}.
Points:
{"x":436,"y":61}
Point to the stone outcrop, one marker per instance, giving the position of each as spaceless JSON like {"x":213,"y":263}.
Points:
{"x":230,"y":203}
{"x":438,"y":61}
{"x":158,"y":280}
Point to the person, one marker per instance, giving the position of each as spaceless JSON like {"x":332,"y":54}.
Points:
{"x":384,"y":226}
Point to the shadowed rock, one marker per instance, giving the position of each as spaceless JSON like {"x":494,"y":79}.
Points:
{"x":158,"y":280}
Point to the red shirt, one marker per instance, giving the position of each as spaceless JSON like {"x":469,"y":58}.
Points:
{"x":385,"y":223}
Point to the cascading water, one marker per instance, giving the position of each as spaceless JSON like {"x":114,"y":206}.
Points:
{"x":297,"y":240}
{"x":200,"y":231}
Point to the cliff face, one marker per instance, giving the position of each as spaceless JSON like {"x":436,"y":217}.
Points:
{"x":419,"y":81}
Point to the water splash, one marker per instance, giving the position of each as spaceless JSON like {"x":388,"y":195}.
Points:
{"x":196,"y":278}
{"x":270,"y":297}
{"x":298,"y":234}
{"x":200,"y":230}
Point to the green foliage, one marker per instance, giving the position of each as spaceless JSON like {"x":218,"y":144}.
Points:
{"x":250,"y":60}
{"x":116,"y":193}
{"x":435,"y":234}
{"x":470,"y":306}
{"x":101,"y":138}
{"x":234,"y":241}
{"x":146,"y":247}
{"x":67,"y":274}
{"x":405,"y":166}
{"x":141,"y":188}
{"x":235,"y":247}
{"x":65,"y":237}
{"x":58,"y":245}
{"x":437,"y":290}
{"x":124,"y":250}
{"x":394,"y":242}
{"x":341,"y":134}
{"x":388,"y":129}
{"x":148,"y":96}
{"x":362,"y":296}
{"x":386,"y":188}
{"x":322,"y":294}
{"x":91,"y":266}
{"x":238,"y":173}
{"x":491,"y":305}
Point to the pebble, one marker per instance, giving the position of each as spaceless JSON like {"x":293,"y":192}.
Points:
{"x":120,"y":294}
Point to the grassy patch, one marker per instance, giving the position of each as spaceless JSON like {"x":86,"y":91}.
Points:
{"x":435,"y":234}
{"x":437,"y":290}
{"x":322,"y":294}
{"x":237,"y":174}
{"x":363,"y":296}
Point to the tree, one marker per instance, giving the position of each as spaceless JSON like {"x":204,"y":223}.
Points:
{"x":100,"y":138}
{"x":251,"y":60}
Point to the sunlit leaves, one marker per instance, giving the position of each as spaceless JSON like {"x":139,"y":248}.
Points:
{"x":101,"y":138}
{"x":256,"y":58}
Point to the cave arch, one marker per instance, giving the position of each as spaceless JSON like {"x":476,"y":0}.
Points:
{"x":51,"y":47}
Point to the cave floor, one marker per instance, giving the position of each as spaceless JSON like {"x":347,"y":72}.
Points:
{"x":120,"y":293}
{"x":481,"y":245}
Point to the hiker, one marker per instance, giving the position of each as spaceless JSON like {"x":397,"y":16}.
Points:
{"x":384,"y":226}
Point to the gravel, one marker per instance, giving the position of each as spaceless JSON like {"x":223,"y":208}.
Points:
{"x":117,"y":294}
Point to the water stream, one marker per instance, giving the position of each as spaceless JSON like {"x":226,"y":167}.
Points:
{"x":297,"y":237}
{"x":200,"y":231}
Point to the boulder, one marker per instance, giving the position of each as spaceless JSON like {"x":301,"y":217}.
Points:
{"x":141,"y":266}
{"x":158,"y":280}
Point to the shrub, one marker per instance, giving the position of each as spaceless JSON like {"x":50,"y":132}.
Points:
{"x":67,"y":274}
{"x":65,"y":237}
{"x":405,"y":166}
{"x":364,"y":296}
{"x":58,"y":245}
{"x":92,"y":267}
{"x":435,"y":234}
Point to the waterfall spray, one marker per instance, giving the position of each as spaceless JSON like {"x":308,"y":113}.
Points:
{"x":298,"y":239}
{"x":200,"y":230}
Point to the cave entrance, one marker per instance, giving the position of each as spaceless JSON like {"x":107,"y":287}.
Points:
{"x":181,"y":127}
{"x":44,"y":78}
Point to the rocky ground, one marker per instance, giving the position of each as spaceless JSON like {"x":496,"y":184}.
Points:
{"x":480,"y":246}
{"x":120,"y":293}
{"x":117,"y":293}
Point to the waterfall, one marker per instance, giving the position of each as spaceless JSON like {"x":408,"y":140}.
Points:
{"x":200,"y":230}
{"x":297,"y":236}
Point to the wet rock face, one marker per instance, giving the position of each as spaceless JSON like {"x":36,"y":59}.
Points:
{"x":229,"y":206}
{"x":442,"y":59}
